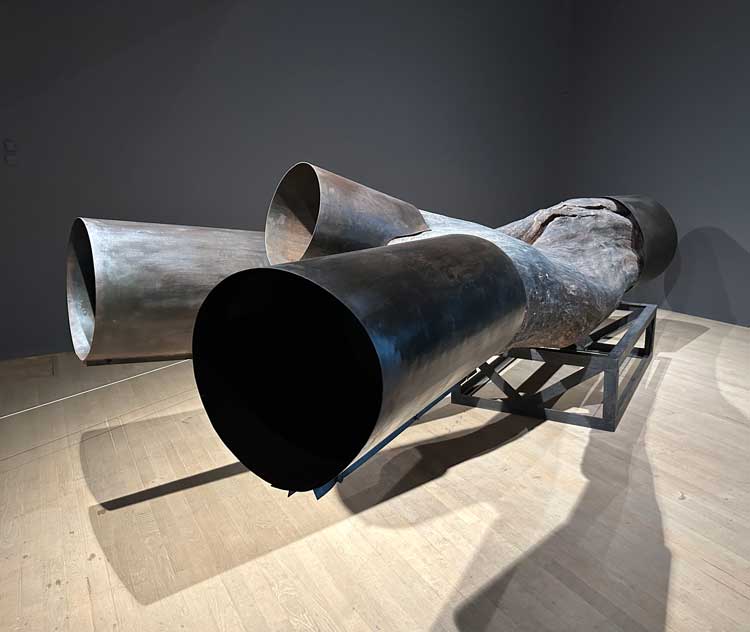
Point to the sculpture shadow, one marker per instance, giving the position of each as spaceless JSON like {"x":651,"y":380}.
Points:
{"x":710,"y":263}
{"x":616,"y":517}
{"x":592,"y":533}
{"x":703,"y":278}
{"x":405,"y":468}
{"x":163,"y":527}
{"x":172,"y":487}
{"x":400,"y":470}
{"x":608,"y":563}
{"x":174,"y":508}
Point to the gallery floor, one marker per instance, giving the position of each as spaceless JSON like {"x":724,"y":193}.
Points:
{"x":121,"y":510}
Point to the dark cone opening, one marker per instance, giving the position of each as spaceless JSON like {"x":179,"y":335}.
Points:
{"x":292,"y":215}
{"x":81,"y":289}
{"x":288,"y":376}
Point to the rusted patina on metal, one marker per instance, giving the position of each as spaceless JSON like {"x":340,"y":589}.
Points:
{"x":315,"y":213}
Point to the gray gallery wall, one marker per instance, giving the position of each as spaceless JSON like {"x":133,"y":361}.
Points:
{"x":661,"y":105}
{"x":189,"y":112}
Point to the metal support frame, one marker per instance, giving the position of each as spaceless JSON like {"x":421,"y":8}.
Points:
{"x":593,"y":356}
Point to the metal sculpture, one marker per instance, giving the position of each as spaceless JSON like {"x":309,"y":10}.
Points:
{"x":315,"y":212}
{"x":383,"y":337}
{"x":387,"y":329}
{"x":370,"y":312}
{"x":134,"y":288}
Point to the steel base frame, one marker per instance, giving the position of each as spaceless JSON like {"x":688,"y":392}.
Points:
{"x":592,"y":355}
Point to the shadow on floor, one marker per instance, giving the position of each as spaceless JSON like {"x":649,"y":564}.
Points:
{"x":402,"y":469}
{"x":174,"y":508}
{"x":172,"y":487}
{"x":159,"y":541}
{"x":163,"y":529}
{"x":606,"y":568}
{"x":591,"y":561}
{"x":608,"y":564}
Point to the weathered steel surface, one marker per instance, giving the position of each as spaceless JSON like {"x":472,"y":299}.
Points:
{"x":576,"y":259}
{"x":382,"y":331}
{"x":657,"y":239}
{"x":390,"y":328}
{"x":315,"y":212}
{"x":134,"y":288}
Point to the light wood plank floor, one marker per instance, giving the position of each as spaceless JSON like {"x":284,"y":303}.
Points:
{"x":121,"y":510}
